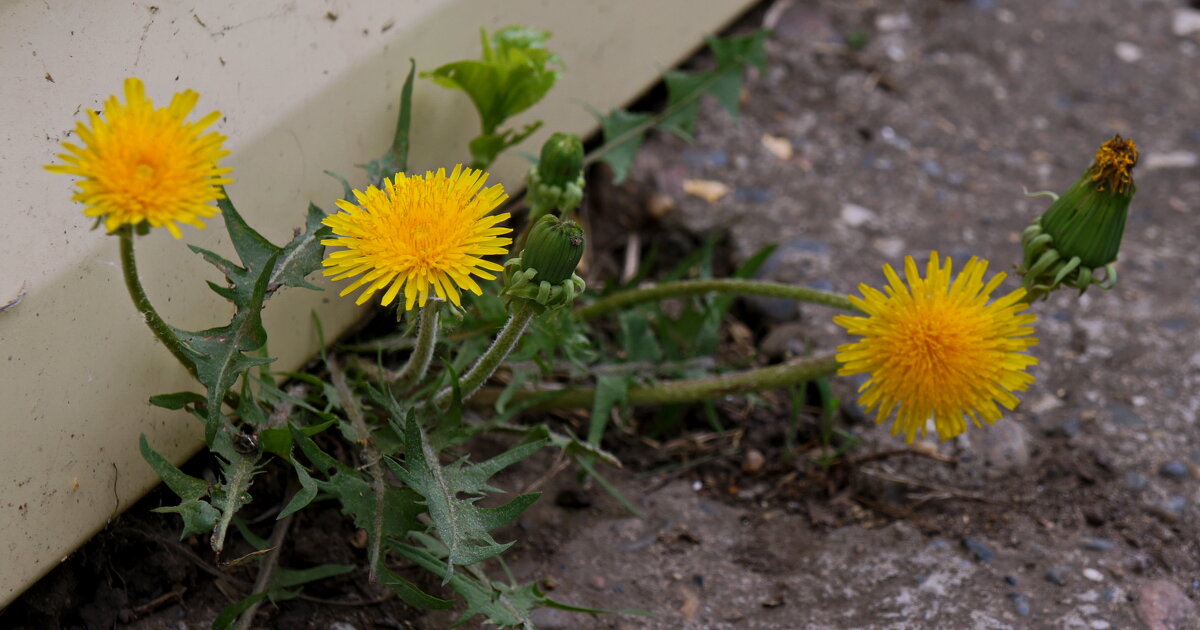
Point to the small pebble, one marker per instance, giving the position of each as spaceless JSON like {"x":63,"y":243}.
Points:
{"x":1173,"y":469}
{"x":1021,"y":603}
{"x":753,"y":461}
{"x":1100,"y":624}
{"x":1093,"y":575}
{"x":1011,"y":579}
{"x":1096,"y":544}
{"x":1136,"y":481}
{"x":981,"y":551}
{"x":1056,"y":577}
{"x":1108,"y":594}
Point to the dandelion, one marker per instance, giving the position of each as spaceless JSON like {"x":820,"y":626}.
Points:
{"x":938,"y":349}
{"x":419,"y":235}
{"x":145,"y":165}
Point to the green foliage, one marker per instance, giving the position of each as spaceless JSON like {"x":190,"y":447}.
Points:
{"x":450,"y":494}
{"x":515,"y":72}
{"x":198,"y":516}
{"x":624,"y":131}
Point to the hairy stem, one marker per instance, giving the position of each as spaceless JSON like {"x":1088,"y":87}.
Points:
{"x":505,"y":341}
{"x":719,"y":285}
{"x":371,"y":458}
{"x":266,"y":571}
{"x":418,"y":361}
{"x":142,"y":302}
{"x":682,"y":391}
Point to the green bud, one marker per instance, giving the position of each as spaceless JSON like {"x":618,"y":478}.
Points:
{"x":1081,"y":231}
{"x":553,"y":249}
{"x":1089,"y":220}
{"x":562,"y":160}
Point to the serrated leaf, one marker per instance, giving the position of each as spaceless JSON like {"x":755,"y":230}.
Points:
{"x":287,"y":578}
{"x":411,"y":593}
{"x":481,"y":598}
{"x":623,"y":134}
{"x":733,"y":55}
{"x":401,"y":506}
{"x":683,"y":91}
{"x":462,"y":526}
{"x":303,"y":496}
{"x":198,"y":516}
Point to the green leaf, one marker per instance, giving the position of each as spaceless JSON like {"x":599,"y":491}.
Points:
{"x":683,"y":92}
{"x":178,"y":400}
{"x":516,"y":71}
{"x":623,"y":134}
{"x":198,"y":516}
{"x":733,"y":55}
{"x":481,"y":598}
{"x":612,"y":390}
{"x":410,"y":593}
{"x":637,"y":338}
{"x":286,"y":578}
{"x":462,"y":526}
{"x":303,"y":496}
{"x":396,"y":159}
{"x":401,"y":506}
{"x":230,"y":613}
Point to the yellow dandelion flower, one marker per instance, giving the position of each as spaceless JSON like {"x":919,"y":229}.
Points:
{"x":140,"y":164}
{"x":417,"y":234}
{"x":938,"y":349}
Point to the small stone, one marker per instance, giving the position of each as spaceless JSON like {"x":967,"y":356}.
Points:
{"x":1171,"y":159}
{"x":753,"y":461}
{"x":1124,"y":415}
{"x":1021,"y":603}
{"x":1096,"y":544}
{"x":890,"y":246}
{"x":777,"y":146}
{"x":1004,"y":447}
{"x":708,"y":190}
{"x":1099,"y":624}
{"x":1011,"y":580}
{"x":1174,"y":504}
{"x":1056,"y":577}
{"x":1093,"y":575}
{"x":1127,"y":52}
{"x":1136,"y":481}
{"x":751,"y":194}
{"x":888,"y":22}
{"x":856,"y":215}
{"x":1173,"y":469}
{"x":1185,"y":22}
{"x":597,"y":581}
{"x":982,"y":552}
{"x":341,"y":625}
{"x":1163,"y":606}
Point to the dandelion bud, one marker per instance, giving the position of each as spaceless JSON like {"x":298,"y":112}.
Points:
{"x":554,"y":249}
{"x":1081,"y":231}
{"x":562,"y":160}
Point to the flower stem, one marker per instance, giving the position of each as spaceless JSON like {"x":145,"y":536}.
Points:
{"x":684,"y":391}
{"x":719,"y":285}
{"x":422,"y":353}
{"x":142,"y":302}
{"x":491,"y":359}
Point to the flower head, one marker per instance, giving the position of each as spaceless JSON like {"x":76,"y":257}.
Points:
{"x":419,"y":234}
{"x":1081,"y":232}
{"x":141,"y":164}
{"x":938,"y":348}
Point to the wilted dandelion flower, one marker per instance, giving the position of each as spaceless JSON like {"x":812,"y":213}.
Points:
{"x":141,"y":164}
{"x":419,"y":234}
{"x":937,"y":348}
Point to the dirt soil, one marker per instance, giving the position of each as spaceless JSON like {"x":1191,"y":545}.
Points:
{"x":1078,"y":510}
